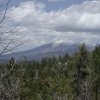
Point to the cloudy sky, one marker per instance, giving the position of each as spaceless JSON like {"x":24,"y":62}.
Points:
{"x":45,"y":21}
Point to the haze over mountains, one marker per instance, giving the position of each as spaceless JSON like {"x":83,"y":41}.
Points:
{"x":46,"y":50}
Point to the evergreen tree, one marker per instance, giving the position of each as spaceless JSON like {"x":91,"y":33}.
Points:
{"x":96,"y":61}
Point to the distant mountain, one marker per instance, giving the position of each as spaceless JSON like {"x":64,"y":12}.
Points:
{"x":46,"y":50}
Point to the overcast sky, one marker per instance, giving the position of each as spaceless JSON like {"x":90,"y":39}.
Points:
{"x":44,"y":21}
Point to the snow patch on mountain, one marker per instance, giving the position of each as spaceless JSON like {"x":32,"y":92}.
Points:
{"x":61,"y":42}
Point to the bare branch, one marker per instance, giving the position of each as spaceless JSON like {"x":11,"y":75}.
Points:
{"x":4,"y":15}
{"x":6,"y":46}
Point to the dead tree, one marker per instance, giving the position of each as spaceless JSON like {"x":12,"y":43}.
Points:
{"x":9,"y":79}
{"x":8,"y":37}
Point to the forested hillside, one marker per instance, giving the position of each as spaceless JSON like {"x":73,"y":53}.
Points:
{"x":71,"y":77}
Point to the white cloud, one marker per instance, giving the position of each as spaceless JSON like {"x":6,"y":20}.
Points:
{"x":80,"y":23}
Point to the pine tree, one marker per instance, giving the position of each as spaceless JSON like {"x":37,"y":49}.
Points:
{"x":81,"y":74}
{"x":96,"y":60}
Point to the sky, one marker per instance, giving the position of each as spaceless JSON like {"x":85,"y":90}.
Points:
{"x":45,"y":21}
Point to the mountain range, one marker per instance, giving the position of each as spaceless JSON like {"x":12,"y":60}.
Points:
{"x":46,"y":50}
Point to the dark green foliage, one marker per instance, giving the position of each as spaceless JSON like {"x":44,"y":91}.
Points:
{"x":71,"y":77}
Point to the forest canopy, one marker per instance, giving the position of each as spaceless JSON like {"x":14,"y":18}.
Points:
{"x":71,"y":77}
